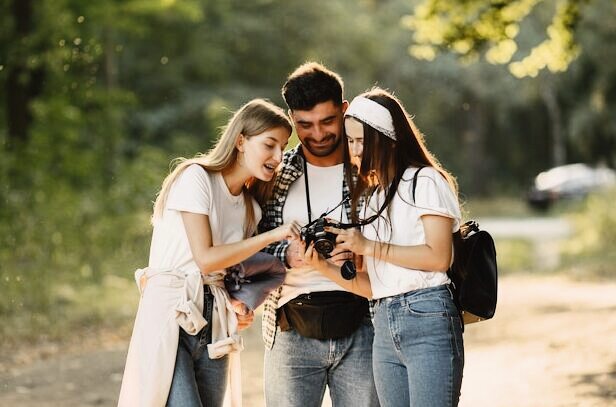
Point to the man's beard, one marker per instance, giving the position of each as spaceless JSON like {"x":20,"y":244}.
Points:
{"x":326,"y":152}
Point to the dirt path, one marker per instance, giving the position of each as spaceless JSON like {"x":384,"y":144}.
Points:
{"x":553,"y":343}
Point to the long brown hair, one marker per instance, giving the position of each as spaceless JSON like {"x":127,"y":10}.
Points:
{"x":250,"y":120}
{"x":381,"y":153}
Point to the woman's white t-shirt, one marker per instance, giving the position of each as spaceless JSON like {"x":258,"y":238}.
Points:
{"x":198,"y":191}
{"x":433,"y":196}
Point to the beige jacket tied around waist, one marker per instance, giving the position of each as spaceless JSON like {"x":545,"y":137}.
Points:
{"x":171,"y":299}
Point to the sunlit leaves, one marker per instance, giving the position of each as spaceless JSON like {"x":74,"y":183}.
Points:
{"x":491,"y":28}
{"x":501,"y":52}
{"x":556,"y":52}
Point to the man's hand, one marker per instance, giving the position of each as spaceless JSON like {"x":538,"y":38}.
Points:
{"x":295,"y":253}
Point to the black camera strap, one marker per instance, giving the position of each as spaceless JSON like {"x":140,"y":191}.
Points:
{"x":360,"y":223}
{"x":307,"y":190}
{"x":308,"y":207}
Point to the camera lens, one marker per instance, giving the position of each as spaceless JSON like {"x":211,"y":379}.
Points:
{"x":324,"y":246}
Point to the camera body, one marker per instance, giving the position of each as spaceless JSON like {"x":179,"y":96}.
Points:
{"x":325,"y":242}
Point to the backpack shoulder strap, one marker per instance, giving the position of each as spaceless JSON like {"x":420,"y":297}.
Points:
{"x":415,"y":181}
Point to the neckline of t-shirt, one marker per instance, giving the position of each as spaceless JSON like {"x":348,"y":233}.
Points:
{"x":223,"y":185}
{"x":313,"y":167}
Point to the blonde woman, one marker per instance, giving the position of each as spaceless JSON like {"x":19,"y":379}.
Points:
{"x":204,"y":221}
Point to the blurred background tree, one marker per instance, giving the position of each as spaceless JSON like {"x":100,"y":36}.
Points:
{"x":98,"y":97}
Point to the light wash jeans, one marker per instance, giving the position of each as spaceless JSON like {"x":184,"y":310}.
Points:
{"x":297,"y":369}
{"x":418,"y":353}
{"x":198,"y":381}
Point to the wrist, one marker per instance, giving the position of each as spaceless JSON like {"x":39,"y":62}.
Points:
{"x":367,"y":247}
{"x":270,"y":236}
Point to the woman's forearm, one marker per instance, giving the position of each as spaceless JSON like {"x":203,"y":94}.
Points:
{"x":359,"y":285}
{"x":420,"y":257}
{"x":220,"y":257}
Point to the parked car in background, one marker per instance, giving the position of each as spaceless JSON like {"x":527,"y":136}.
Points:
{"x":572,"y":181}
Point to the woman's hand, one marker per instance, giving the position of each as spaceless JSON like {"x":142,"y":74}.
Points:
{"x":288,"y":231}
{"x":350,"y":239}
{"x":245,"y":317}
{"x":245,"y":320}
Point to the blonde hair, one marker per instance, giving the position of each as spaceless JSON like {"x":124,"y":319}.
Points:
{"x":251,"y":119}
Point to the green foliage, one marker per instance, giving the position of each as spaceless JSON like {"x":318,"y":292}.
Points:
{"x":500,"y":206}
{"x":590,"y":251}
{"x":469,"y":28}
{"x":515,"y":255}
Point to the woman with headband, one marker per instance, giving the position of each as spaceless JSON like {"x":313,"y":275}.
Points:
{"x":418,"y":351}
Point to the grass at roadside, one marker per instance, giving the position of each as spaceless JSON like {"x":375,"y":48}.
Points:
{"x":504,"y":206}
{"x":589,"y":253}
{"x":73,"y":315}
{"x":514,"y":255}
{"x":515,"y":207}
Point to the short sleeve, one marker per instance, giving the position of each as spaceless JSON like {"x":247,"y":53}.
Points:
{"x":191,"y":191}
{"x":433,"y":196}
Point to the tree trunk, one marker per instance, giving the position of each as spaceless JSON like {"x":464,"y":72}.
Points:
{"x":554,"y":113}
{"x":22,"y":84}
{"x":474,"y":146}
{"x":111,"y":66}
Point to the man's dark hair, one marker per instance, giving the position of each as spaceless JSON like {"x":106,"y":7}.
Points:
{"x":311,"y":84}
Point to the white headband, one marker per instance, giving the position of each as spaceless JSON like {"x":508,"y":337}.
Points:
{"x":373,"y":114}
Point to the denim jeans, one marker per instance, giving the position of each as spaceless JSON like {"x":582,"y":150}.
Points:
{"x":198,"y":381}
{"x":418,"y":352}
{"x":297,"y":369}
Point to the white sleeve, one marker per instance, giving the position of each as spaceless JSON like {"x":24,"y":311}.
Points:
{"x":191,"y":191}
{"x":434,"y":196}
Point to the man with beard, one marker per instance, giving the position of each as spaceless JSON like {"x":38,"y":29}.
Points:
{"x":316,"y":333}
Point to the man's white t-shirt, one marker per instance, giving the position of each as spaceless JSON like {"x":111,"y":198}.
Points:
{"x":198,"y":191}
{"x":325,"y":185}
{"x":433,"y":196}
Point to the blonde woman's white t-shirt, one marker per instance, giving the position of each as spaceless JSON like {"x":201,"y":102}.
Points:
{"x":433,"y":196}
{"x":197,"y":191}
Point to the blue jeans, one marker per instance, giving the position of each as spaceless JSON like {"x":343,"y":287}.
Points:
{"x":297,"y":369}
{"x":418,"y":353}
{"x":198,"y":381}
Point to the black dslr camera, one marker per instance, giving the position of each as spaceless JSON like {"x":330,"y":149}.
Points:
{"x":325,"y":242}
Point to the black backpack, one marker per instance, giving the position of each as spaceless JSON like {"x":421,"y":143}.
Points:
{"x":474,"y":272}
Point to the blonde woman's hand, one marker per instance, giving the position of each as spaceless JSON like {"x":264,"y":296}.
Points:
{"x":288,"y":231}
{"x":245,"y":320}
{"x":245,"y":317}
{"x":350,"y":239}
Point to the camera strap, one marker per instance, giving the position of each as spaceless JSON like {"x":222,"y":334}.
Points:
{"x":307,"y":190}
{"x":309,"y":209}
{"x":360,"y":223}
